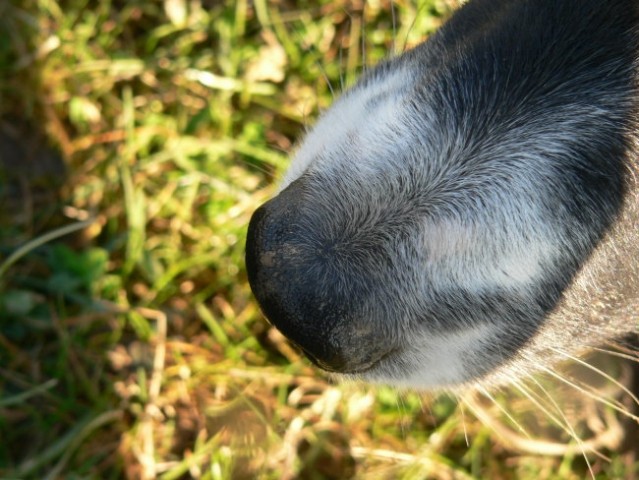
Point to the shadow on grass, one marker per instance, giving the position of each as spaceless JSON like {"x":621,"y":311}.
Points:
{"x":53,"y":339}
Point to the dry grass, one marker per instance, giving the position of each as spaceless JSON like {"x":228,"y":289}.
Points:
{"x":136,"y":139}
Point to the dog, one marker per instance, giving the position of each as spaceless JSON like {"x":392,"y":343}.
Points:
{"x":468,"y":212}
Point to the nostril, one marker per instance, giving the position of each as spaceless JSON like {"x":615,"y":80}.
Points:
{"x":352,"y":360}
{"x":273,"y":233}
{"x":335,"y":363}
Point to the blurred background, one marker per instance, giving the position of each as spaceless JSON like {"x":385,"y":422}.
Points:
{"x":136,"y":139}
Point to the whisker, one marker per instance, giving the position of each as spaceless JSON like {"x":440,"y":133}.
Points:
{"x":341,"y":68}
{"x":511,"y":438}
{"x":259,"y":167}
{"x":600,"y":372}
{"x":610,"y":439}
{"x":363,"y":35}
{"x":589,"y":394}
{"x":326,"y":78}
{"x":411,"y":26}
{"x":394,"y":23}
{"x":463,"y":418}
{"x":537,"y":402}
{"x":540,"y":447}
{"x":318,"y":64}
{"x":629,"y":345}
{"x":615,"y":353}
{"x":570,"y":430}
{"x":504,"y":411}
{"x":401,"y":406}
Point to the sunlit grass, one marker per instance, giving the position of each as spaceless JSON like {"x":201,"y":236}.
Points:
{"x":130,"y":345}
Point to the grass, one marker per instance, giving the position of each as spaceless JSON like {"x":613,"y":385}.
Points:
{"x":137,"y":138}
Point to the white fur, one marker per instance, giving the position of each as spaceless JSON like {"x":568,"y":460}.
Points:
{"x":352,"y":120}
{"x":436,"y":359}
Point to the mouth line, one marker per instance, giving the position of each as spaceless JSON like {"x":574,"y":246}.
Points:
{"x":358,"y":370}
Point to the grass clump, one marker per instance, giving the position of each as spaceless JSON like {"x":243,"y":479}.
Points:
{"x":136,"y":139}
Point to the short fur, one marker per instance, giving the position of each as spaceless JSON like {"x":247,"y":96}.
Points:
{"x":469,"y":210}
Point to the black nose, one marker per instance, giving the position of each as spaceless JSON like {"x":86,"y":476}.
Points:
{"x":304,"y":286}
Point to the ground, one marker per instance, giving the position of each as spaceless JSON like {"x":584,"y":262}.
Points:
{"x":136,"y":139}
